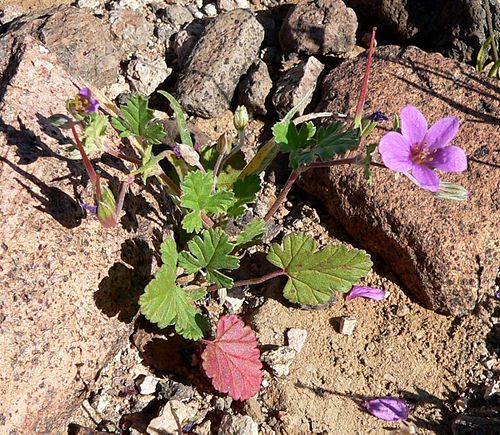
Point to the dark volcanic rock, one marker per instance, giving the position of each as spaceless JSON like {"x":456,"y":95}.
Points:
{"x":224,"y":53}
{"x":319,"y":27}
{"x":445,"y":253}
{"x":456,"y":28}
{"x":256,"y":89}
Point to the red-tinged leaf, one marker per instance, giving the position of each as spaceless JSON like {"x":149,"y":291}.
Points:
{"x":232,"y":359}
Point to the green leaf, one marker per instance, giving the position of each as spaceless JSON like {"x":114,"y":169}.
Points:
{"x":245,"y":192}
{"x":212,"y":254}
{"x":261,"y":160}
{"x":150,"y":167}
{"x":291,"y":139}
{"x":314,"y":275}
{"x":164,"y":303}
{"x":137,"y":120}
{"x":197,"y":196}
{"x":332,"y":141}
{"x":251,"y":232}
{"x":180,"y":118}
{"x":367,"y":160}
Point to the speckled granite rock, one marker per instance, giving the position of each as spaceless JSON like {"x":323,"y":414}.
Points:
{"x":445,"y":253}
{"x":224,"y":53}
{"x":69,"y":288}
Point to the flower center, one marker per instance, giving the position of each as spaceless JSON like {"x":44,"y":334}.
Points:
{"x":421,"y":155}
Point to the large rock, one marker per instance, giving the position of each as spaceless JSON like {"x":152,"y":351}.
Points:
{"x":255,"y":89}
{"x":445,"y":253}
{"x":319,"y":27}
{"x":67,"y":299}
{"x":456,"y":28}
{"x":81,"y":42}
{"x":223,"y":54}
{"x":12,"y":9}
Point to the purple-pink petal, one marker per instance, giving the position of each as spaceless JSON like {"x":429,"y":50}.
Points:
{"x":85,"y":93}
{"x":426,"y":177}
{"x":442,"y":133}
{"x":395,"y":151}
{"x":388,"y":408}
{"x":358,"y":291}
{"x":449,"y":159}
{"x":413,"y":125}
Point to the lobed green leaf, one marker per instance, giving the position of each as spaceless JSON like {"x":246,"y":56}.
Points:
{"x":314,"y":275}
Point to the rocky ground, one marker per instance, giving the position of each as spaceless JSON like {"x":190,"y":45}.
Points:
{"x":77,"y":356}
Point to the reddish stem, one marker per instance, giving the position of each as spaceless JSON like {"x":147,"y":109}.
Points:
{"x":253,"y":281}
{"x":364,"y":87}
{"x":94,"y":178}
{"x":281,"y":197}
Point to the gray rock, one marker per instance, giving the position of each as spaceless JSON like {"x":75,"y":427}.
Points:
{"x":446,"y":253}
{"x":145,"y":75}
{"x":255,"y":89}
{"x":295,"y":84}
{"x":177,"y":15}
{"x":96,"y":6}
{"x":83,"y":44}
{"x":238,"y":425}
{"x":185,"y":40}
{"x":279,"y":360}
{"x":229,"y":5}
{"x":223,"y":54}
{"x":457,"y":28}
{"x":319,"y":27}
{"x":131,"y":30}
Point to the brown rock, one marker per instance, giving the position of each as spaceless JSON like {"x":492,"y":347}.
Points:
{"x":224,"y":53}
{"x":16,"y":8}
{"x":295,"y":84}
{"x":83,"y":44}
{"x":445,"y":252}
{"x":69,"y":288}
{"x":319,"y":27}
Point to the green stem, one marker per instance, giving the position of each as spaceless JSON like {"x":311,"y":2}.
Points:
{"x":217,"y":167}
{"x":491,"y":30}
{"x":241,"y":142}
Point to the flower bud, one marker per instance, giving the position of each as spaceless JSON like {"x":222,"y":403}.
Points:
{"x":106,"y":206}
{"x":240,"y":119}
{"x":224,"y":144}
{"x":451,"y":191}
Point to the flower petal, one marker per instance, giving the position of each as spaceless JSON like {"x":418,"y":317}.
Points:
{"x":413,"y":125}
{"x":358,"y":291}
{"x":395,"y":152}
{"x":426,"y":177}
{"x":449,"y":159}
{"x":85,"y":93}
{"x":388,"y":408}
{"x":442,"y":132}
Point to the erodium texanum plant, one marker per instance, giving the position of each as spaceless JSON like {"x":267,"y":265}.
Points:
{"x":212,"y":194}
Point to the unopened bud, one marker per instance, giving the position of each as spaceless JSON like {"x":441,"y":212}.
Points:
{"x":451,"y":191}
{"x":224,"y":144}
{"x":240,"y":119}
{"x":106,"y":206}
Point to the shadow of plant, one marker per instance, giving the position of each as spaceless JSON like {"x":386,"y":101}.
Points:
{"x":119,"y":292}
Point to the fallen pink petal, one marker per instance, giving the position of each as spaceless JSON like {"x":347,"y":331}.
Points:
{"x":357,"y":291}
{"x":388,"y":408}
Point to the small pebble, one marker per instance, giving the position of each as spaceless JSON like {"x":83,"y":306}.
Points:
{"x":210,"y":10}
{"x":147,"y":385}
{"x":402,"y":310}
{"x":296,"y":338}
{"x":279,"y":360}
{"x":347,"y":325}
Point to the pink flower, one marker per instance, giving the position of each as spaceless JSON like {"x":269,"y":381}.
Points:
{"x":83,"y":103}
{"x":388,"y":408}
{"x":358,"y":291}
{"x":421,"y":150}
